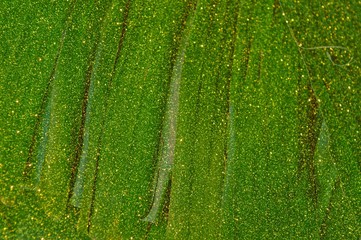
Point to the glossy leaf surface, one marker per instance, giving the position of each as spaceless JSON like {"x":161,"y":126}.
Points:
{"x":180,"y":119}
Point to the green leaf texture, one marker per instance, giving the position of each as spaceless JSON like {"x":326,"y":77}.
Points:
{"x":191,"y":119}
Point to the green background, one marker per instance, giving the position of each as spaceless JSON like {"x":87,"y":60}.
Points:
{"x":268,"y":132}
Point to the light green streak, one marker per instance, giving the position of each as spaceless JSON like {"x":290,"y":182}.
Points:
{"x":169,"y":131}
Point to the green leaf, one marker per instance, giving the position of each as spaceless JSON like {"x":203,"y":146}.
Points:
{"x":185,"y":119}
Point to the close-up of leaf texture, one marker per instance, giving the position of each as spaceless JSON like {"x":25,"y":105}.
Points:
{"x":184,"y":119}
